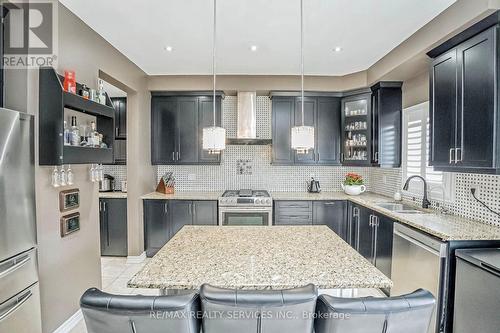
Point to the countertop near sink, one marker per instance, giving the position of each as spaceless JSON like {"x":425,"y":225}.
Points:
{"x":444,"y":226}
{"x":113,"y":195}
{"x":187,"y":195}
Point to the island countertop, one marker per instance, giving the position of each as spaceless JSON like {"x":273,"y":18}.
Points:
{"x":250,"y":257}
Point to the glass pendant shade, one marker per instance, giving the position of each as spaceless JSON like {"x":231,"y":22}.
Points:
{"x":214,"y":139}
{"x":302,"y":139}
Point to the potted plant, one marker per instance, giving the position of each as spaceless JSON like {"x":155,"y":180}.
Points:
{"x":353,"y":184}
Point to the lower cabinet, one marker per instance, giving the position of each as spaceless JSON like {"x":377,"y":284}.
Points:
{"x":164,"y":218}
{"x":332,"y":214}
{"x":113,"y":226}
{"x":370,"y":233}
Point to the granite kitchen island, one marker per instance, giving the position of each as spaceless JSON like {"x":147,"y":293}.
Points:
{"x":274,"y":257}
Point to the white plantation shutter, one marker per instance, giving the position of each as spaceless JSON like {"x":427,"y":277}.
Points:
{"x":416,"y":152}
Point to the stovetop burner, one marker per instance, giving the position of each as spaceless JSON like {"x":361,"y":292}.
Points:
{"x":246,"y":193}
{"x":246,"y":198}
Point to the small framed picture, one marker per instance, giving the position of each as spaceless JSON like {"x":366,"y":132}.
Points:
{"x":69,"y":199}
{"x":70,"y":224}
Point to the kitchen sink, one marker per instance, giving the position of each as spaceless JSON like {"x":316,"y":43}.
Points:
{"x":400,"y":208}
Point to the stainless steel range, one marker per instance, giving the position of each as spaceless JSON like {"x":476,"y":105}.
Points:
{"x":246,"y":207}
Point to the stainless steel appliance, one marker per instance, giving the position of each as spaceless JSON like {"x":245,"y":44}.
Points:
{"x":313,"y":186}
{"x":418,"y":261}
{"x":477,"y":296}
{"x":107,"y":184}
{"x":19,"y":292}
{"x":246,"y":207}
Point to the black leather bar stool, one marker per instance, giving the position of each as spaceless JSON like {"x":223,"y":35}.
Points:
{"x":106,"y":313}
{"x":266,"y":311}
{"x":409,"y":313}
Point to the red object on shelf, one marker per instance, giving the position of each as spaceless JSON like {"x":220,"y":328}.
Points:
{"x":70,"y":81}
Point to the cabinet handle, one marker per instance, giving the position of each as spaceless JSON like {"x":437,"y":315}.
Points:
{"x":357,"y":233}
{"x":100,"y":206}
{"x":104,"y":204}
{"x":342,"y":157}
{"x":375,"y":239}
{"x":376,"y":156}
{"x":329,"y":203}
{"x":458,"y":152}
{"x":165,"y":208}
{"x":116,"y":131}
{"x":178,"y":156}
{"x":319,"y":157}
{"x":452,"y":150}
{"x":173,"y":156}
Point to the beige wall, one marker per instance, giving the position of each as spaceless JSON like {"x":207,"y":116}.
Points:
{"x":70,"y":265}
{"x":416,"y":90}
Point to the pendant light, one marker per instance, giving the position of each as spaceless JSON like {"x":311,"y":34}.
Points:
{"x":214,"y":137}
{"x":302,"y":136}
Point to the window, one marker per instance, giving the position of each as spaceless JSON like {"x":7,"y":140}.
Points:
{"x":416,"y":152}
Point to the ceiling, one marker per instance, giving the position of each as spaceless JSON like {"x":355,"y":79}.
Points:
{"x":366,"y":30}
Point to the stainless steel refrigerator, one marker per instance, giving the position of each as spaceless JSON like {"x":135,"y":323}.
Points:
{"x":19,"y":292}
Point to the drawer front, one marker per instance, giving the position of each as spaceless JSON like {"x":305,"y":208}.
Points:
{"x":21,"y":313}
{"x":294,"y":205}
{"x":16,"y":273}
{"x":296,"y":219}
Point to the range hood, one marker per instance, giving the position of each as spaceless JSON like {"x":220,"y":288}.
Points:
{"x":247,"y":121}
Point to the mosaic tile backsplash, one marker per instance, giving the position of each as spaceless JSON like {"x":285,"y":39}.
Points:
{"x":250,"y":167}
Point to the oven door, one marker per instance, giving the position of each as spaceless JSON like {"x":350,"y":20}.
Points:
{"x":245,"y":217}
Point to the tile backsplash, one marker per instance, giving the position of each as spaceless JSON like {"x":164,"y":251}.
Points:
{"x":250,"y":167}
{"x":117,"y":171}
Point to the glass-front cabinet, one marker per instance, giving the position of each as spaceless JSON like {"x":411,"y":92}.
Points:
{"x":356,"y":130}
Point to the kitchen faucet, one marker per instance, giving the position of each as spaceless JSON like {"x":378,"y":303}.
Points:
{"x":425,"y":202}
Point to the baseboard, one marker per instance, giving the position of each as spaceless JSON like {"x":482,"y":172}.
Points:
{"x":136,"y":259}
{"x":71,"y":323}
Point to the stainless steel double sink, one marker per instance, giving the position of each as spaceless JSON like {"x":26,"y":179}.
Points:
{"x":399,"y":208}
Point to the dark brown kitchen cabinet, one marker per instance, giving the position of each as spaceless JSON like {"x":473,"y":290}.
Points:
{"x":177,"y":123}
{"x":333,"y":214}
{"x":164,"y":218}
{"x":322,"y":113}
{"x":120,"y":105}
{"x":120,"y":152}
{"x":113,"y":226}
{"x":464,"y":106}
{"x":386,"y":122}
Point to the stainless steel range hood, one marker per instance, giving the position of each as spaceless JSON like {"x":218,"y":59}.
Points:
{"x":247,"y":121}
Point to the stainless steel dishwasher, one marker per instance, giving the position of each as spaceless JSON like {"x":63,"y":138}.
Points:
{"x":418,"y":261}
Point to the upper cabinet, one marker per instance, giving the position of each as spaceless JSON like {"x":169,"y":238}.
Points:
{"x":177,"y":123}
{"x":371,"y":126}
{"x":323,"y":113}
{"x":464,"y":112}
{"x":386,"y":120}
{"x":120,"y":105}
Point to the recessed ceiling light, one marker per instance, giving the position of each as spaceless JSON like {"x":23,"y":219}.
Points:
{"x":253,"y":48}
{"x":337,"y":49}
{"x":169,"y":48}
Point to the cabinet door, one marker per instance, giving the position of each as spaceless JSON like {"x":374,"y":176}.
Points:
{"x":205,"y":212}
{"x":476,"y":124}
{"x":389,"y":114}
{"x":187,"y":130}
{"x":206,"y":119}
{"x":115,"y":211}
{"x":332,"y":214}
{"x":156,"y":233}
{"x":443,"y":108}
{"x":120,"y":105}
{"x":103,"y":232}
{"x":120,"y":152}
{"x":383,"y":244}
{"x":283,"y":120}
{"x":365,"y":234}
{"x":375,"y":132}
{"x":328,"y":131}
{"x":310,"y":106}
{"x":181,"y":214}
{"x":164,"y":130}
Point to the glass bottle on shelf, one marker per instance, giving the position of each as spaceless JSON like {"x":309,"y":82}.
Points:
{"x":101,"y":96}
{"x":62,"y":176}
{"x":67,"y":136}
{"x":75,"y":132}
{"x":93,"y":135}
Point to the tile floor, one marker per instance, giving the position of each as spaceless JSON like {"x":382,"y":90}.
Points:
{"x":116,"y":272}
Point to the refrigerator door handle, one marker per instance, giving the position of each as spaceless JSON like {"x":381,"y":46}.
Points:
{"x":17,"y":264}
{"x":4,"y":313}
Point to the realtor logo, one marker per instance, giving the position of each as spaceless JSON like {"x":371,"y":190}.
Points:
{"x":29,"y":34}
